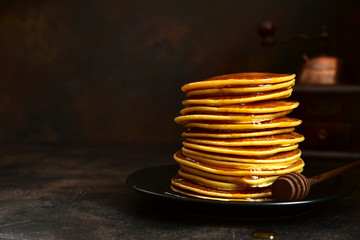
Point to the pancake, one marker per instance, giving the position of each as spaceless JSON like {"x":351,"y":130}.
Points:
{"x":244,"y":151}
{"x":262,"y":107}
{"x":245,"y":118}
{"x":276,"y":123}
{"x":183,"y":161}
{"x":240,"y":165}
{"x":279,"y":139}
{"x":273,"y":159}
{"x":240,"y":90}
{"x":199,"y":132}
{"x":190,"y":188}
{"x":230,"y":184}
{"x":237,"y":79}
{"x":230,"y":100}
{"x":235,"y":181}
{"x":226,"y":181}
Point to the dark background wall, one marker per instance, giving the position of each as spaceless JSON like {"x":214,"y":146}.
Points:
{"x":111,"y":71}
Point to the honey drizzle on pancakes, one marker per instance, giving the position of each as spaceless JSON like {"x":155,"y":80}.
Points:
{"x":238,"y":138}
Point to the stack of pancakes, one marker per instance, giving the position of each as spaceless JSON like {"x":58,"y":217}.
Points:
{"x":238,"y":137}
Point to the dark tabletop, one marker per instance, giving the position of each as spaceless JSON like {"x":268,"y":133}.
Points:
{"x":54,"y":192}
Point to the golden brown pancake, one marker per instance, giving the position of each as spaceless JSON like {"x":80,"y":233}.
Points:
{"x":245,"y":118}
{"x":244,"y":151}
{"x":279,"y":139}
{"x":187,"y":187}
{"x":276,"y":158}
{"x":182,"y":160}
{"x":237,"y":165}
{"x":240,"y":90}
{"x":230,"y":100}
{"x":275,"y":123}
{"x":261,"y":107}
{"x":237,"y":79}
{"x":240,"y":165}
{"x":227,"y":181}
{"x":196,"y":177}
{"x":199,"y":132}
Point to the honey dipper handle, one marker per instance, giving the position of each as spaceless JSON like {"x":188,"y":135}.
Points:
{"x":333,"y":173}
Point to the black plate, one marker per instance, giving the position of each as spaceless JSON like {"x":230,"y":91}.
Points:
{"x":155,"y":182}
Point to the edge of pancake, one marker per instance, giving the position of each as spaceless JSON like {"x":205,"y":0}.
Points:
{"x":218,"y":184}
{"x":222,"y":101}
{"x":238,"y":172}
{"x":276,"y":158}
{"x":224,"y":134}
{"x":241,"y":165}
{"x":279,"y":139}
{"x":282,"y":122}
{"x":289,"y":105}
{"x":206,"y":191}
{"x":192,"y":194}
{"x":238,"y":79}
{"x":244,"y":181}
{"x":245,"y":151}
{"x":240,"y":90}
{"x":247,"y":118}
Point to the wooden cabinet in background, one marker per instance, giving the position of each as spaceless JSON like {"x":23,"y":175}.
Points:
{"x":331,"y":117}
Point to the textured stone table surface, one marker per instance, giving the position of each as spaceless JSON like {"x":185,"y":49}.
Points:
{"x":59,"y":192}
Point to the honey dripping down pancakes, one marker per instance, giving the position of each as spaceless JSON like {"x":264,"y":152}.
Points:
{"x":238,"y":137}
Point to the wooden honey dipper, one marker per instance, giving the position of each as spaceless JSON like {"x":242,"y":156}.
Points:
{"x":295,"y":186}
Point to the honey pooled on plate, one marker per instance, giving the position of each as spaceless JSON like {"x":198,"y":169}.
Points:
{"x":238,"y":137}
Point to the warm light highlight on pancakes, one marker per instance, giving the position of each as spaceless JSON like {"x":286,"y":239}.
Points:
{"x":238,"y":138}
